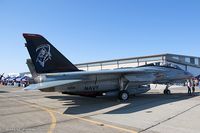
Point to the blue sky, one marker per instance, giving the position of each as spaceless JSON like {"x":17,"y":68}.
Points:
{"x":93,"y":30}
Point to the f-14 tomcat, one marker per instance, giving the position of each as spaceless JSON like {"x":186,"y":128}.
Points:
{"x":54,"y":72}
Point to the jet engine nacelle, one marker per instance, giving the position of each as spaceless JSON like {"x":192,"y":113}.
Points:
{"x":132,"y":90}
{"x":138,"y":90}
{"x":40,"y":78}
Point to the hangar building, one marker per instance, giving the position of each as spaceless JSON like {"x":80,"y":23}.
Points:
{"x":188,"y":63}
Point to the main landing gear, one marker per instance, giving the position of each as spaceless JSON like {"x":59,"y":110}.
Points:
{"x":123,"y":93}
{"x":166,"y":90}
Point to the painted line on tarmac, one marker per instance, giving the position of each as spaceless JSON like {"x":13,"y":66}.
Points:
{"x":172,"y":117}
{"x":97,"y":122}
{"x":79,"y":118}
{"x":49,"y":111}
{"x":53,"y":118}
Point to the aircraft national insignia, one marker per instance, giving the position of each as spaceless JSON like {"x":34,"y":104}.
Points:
{"x":43,"y":54}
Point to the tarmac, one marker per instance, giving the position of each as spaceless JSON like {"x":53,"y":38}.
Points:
{"x":41,"y":112}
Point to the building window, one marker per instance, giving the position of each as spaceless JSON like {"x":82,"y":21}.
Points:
{"x":175,"y":57}
{"x":196,"y":61}
{"x":182,"y":59}
{"x":150,"y":59}
{"x":187,"y":59}
{"x":192,"y":61}
{"x":127,"y":61}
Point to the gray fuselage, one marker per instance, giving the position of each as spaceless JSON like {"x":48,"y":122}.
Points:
{"x":108,"y":80}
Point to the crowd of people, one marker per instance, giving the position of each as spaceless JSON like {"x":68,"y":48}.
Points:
{"x":191,"y":84}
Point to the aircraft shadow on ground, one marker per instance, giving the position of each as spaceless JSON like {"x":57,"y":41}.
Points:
{"x":81,"y":105}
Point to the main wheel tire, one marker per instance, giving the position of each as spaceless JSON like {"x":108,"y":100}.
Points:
{"x":123,"y":95}
{"x":165,"y":92}
{"x":168,"y":92}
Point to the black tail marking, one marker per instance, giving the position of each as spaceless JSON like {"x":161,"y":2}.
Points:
{"x":45,"y":57}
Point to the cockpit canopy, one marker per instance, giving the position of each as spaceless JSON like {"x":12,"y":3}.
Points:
{"x":170,"y":65}
{"x":167,"y":65}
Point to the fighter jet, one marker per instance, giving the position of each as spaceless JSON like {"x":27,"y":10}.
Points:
{"x":52,"y":71}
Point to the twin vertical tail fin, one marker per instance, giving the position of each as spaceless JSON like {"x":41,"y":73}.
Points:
{"x":45,"y":57}
{"x":31,"y":68}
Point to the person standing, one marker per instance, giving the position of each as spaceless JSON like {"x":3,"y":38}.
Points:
{"x":193,"y":85}
{"x":197,"y":82}
{"x":189,"y":86}
{"x":1,"y":77}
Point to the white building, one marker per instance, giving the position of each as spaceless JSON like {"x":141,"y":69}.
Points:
{"x":188,"y":63}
